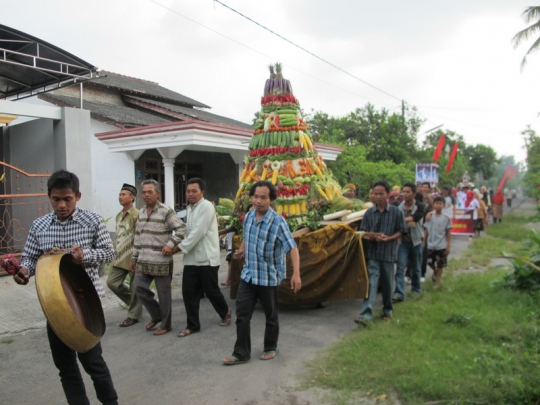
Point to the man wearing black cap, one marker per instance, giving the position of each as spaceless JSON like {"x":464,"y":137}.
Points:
{"x":126,"y":221}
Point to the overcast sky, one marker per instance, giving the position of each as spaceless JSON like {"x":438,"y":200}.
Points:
{"x":453,"y":60}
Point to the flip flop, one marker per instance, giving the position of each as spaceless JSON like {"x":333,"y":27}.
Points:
{"x":226,"y":321}
{"x":235,"y":361}
{"x":274,"y":352}
{"x":187,"y":332}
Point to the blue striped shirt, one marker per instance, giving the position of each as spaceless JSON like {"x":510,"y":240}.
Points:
{"x":266,"y":243}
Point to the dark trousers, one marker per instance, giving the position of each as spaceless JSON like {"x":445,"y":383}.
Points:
{"x":65,"y":360}
{"x":245,"y":305}
{"x":157,"y":310}
{"x":197,"y":280}
{"x":424,"y":261}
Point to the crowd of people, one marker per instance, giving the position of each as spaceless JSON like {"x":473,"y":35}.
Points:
{"x":145,"y":243}
{"x":408,"y":225}
{"x":409,"y":228}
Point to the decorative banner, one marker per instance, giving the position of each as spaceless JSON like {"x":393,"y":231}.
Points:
{"x":427,"y":172}
{"x":463,"y":223}
{"x":501,"y":184}
{"x":438,"y":149}
{"x":452,"y":158}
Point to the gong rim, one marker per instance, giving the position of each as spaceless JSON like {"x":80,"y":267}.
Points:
{"x":69,"y":301}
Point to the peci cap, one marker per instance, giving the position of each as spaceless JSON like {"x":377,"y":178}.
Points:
{"x":130,"y":188}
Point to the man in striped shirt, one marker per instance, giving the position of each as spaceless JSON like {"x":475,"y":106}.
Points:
{"x":267,"y":239}
{"x":69,"y":227}
{"x":158,"y":230}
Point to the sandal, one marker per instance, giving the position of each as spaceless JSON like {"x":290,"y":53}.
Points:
{"x":386,"y":317}
{"x":233,"y":360}
{"x":187,"y":332}
{"x":272,"y":353}
{"x":227,"y":320}
{"x":361,"y":321}
{"x":161,"y":331}
{"x":128,"y":322}
{"x":152,"y":324}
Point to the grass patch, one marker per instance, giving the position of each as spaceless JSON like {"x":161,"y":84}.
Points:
{"x":6,"y":341}
{"x":470,"y":342}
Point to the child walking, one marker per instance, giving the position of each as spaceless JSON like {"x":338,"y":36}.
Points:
{"x":438,"y":236}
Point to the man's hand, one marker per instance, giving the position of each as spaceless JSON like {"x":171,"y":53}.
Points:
{"x":175,"y":249}
{"x":383,"y":238}
{"x":22,"y":277}
{"x":296,"y":283}
{"x":132,"y":266}
{"x":77,"y":254}
{"x":239,"y":254}
{"x":166,"y":251}
{"x":447,"y":251}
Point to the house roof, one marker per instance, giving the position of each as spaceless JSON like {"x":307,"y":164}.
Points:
{"x":110,"y":113}
{"x":29,"y":65}
{"x":191,"y":113}
{"x":144,"y":88}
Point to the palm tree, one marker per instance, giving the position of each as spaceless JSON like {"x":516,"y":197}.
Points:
{"x":530,"y":14}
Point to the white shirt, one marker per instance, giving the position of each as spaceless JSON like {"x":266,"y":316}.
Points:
{"x":201,"y":244}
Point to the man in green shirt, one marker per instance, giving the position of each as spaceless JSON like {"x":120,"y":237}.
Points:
{"x":126,"y":220}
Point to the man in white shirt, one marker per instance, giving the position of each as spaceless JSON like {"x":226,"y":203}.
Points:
{"x":201,"y":259}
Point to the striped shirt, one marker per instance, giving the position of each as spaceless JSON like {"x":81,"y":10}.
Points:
{"x":83,"y":228}
{"x":266,"y":243}
{"x":152,"y":233}
{"x":389,"y":221}
{"x":125,"y":233}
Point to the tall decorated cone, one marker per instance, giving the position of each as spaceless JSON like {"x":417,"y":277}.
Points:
{"x":282,"y":151}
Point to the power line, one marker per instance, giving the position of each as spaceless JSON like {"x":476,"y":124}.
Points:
{"x":307,"y":51}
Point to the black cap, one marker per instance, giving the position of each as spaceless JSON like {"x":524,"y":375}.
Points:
{"x":130,"y":188}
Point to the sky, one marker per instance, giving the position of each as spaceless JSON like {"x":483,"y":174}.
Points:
{"x":453,"y":60}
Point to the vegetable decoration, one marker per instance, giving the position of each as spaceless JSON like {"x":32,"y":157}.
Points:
{"x":282,"y":151}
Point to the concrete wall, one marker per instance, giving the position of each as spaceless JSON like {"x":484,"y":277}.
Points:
{"x":109,"y":171}
{"x":32,"y":146}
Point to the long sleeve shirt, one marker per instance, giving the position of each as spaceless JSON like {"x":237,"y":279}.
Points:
{"x":83,"y":228}
{"x":162,"y":227}
{"x":201,"y":244}
{"x":125,"y":234}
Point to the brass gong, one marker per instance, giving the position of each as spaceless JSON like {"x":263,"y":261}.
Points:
{"x":69,"y":301}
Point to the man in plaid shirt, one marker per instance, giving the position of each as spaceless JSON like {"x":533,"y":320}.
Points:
{"x":69,"y":227}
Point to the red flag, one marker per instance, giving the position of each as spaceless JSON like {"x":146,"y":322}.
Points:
{"x":438,"y":149}
{"x":512,"y":174}
{"x":452,"y":157}
{"x":501,"y":184}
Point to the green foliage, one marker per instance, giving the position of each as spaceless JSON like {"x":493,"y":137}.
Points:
{"x":469,"y":342}
{"x":532,"y":177}
{"x":386,"y":137}
{"x":531,"y":16}
{"x":353,"y":166}
{"x":526,"y":274}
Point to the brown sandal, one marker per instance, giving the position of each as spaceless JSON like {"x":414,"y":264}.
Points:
{"x":161,"y":331}
{"x":152,"y":324}
{"x":227,"y":320}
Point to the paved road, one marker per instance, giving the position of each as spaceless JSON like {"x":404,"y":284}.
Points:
{"x":166,"y":369}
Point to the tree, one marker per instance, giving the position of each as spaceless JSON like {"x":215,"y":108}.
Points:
{"x":352,"y":166}
{"x":531,"y":14}
{"x":482,"y":160}
{"x":532,"y":177}
{"x":385,"y":136}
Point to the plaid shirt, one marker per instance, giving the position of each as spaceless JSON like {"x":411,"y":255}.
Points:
{"x":83,"y":228}
{"x":389,"y":221}
{"x":267,"y":242}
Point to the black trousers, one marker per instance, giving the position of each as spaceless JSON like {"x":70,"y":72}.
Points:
{"x":65,"y":360}
{"x":197,"y":280}
{"x":245,"y":305}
